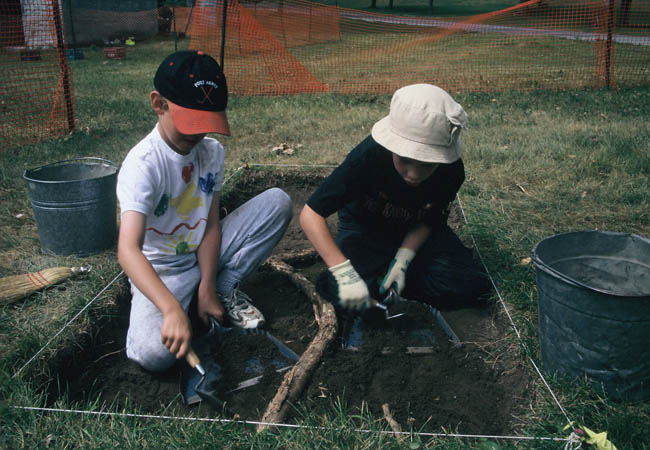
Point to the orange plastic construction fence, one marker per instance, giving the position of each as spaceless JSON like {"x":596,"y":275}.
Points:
{"x":275,"y":47}
{"x":36,"y":92}
{"x":295,"y":46}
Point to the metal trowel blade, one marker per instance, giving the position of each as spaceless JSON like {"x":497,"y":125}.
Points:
{"x":190,"y":378}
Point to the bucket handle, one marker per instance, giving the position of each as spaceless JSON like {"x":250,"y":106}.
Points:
{"x":539,"y":264}
{"x":82,"y":158}
{"x":550,"y":271}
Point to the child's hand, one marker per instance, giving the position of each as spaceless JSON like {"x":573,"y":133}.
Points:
{"x":353,"y":291}
{"x":209,"y":304}
{"x":175,"y":332}
{"x":396,"y":275}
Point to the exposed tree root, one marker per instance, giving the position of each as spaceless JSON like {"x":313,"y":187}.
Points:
{"x":394,"y":425}
{"x":297,"y":378}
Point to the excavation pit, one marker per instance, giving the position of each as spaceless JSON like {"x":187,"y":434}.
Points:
{"x":476,"y":387}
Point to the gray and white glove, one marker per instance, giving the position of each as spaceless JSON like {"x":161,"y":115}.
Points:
{"x":353,"y":291}
{"x":396,"y":276}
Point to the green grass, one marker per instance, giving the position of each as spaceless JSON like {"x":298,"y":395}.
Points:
{"x":538,"y":163}
{"x":441,"y":8}
{"x":380,"y":57}
{"x":413,"y":7}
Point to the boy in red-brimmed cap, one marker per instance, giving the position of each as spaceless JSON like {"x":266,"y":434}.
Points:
{"x":393,"y":194}
{"x":172,"y":243}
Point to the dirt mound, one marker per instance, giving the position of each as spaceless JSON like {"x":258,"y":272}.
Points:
{"x":409,"y":363}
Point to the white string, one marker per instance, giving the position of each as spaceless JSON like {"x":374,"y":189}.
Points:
{"x":287,"y":425}
{"x":574,"y":442}
{"x":233,"y":174}
{"x":238,"y":169}
{"x":66,"y":325}
{"x":505,"y":308}
{"x":331,"y":166}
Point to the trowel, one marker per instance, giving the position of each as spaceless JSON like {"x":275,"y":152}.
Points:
{"x":353,"y":329}
{"x":205,"y":388}
{"x":285,"y":361}
{"x":375,"y":304}
{"x":393,"y":297}
{"x":202,"y":381}
{"x":199,"y":379}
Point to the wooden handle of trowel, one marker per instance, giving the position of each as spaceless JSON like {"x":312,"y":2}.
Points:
{"x":192,"y":358}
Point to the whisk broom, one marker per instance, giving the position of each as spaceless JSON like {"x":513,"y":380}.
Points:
{"x":18,"y":286}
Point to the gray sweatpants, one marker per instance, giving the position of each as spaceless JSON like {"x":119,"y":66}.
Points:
{"x":249,"y":234}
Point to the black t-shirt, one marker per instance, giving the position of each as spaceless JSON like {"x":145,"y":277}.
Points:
{"x":367,"y":189}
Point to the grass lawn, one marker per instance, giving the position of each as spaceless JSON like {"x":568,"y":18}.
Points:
{"x":421,"y":7}
{"x":538,"y":163}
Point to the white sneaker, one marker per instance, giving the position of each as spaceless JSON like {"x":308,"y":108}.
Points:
{"x":241,"y":311}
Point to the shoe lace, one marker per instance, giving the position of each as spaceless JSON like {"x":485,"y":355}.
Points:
{"x":237,"y":299}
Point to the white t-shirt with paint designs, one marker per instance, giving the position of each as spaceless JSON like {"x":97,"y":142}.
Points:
{"x":173,"y":191}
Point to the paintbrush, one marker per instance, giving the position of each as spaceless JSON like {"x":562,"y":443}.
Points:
{"x":18,"y":286}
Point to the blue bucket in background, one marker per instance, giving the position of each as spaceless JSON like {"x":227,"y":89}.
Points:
{"x":75,"y":205}
{"x":594,"y":309}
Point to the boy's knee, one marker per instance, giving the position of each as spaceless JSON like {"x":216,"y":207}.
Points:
{"x":154,"y":358}
{"x":281,"y":201}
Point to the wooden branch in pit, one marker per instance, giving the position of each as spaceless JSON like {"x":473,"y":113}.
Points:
{"x":298,"y":256}
{"x":296,"y":379}
{"x":394,"y":425}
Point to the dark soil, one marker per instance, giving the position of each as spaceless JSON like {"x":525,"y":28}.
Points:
{"x":409,"y":362}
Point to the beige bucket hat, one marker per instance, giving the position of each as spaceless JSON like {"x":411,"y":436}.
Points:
{"x":424,"y":124}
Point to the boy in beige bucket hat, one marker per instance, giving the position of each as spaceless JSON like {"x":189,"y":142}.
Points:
{"x":393,"y":194}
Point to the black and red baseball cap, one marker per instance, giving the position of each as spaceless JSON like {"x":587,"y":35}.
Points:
{"x":196,"y":90}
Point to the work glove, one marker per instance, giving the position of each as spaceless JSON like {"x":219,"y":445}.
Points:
{"x":353,"y":292}
{"x":396,"y":275}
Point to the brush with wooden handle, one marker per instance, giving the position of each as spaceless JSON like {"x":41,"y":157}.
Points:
{"x":16,"y":287}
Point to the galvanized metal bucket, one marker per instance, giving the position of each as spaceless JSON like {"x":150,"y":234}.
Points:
{"x":594,"y":309}
{"x":74,"y":204}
